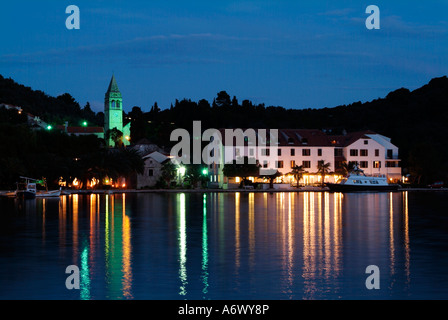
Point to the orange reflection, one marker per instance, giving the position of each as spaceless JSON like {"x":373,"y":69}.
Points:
{"x":290,"y":232}
{"x":75,"y":226}
{"x":127,"y":248}
{"x":406,"y":238}
{"x":391,"y":234}
{"x":93,"y":228}
{"x":44,"y":211}
{"x":237,"y":230}
{"x":322,"y":238}
{"x":251,"y":229}
{"x":62,"y":226}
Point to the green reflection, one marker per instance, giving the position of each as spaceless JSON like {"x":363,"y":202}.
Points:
{"x":85,"y":279}
{"x":113,"y":248}
{"x":204,"y":245}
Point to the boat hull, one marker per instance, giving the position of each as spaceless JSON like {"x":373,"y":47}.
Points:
{"x":26,"y":195}
{"x":48,"y":194}
{"x":361,"y":188}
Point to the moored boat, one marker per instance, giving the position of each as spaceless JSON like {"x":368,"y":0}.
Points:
{"x":48,"y":194}
{"x":357,"y":181}
{"x":9,"y":194}
{"x":27,"y":189}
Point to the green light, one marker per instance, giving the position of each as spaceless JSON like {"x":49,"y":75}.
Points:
{"x":204,"y":172}
{"x":182,"y":171}
{"x":84,"y":123}
{"x":49,"y":127}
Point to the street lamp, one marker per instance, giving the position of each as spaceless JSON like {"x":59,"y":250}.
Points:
{"x":182,"y":171}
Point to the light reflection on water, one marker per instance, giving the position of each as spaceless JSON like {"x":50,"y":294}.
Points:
{"x":310,"y":245}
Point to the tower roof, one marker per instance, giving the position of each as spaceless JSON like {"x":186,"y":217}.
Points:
{"x":113,"y":87}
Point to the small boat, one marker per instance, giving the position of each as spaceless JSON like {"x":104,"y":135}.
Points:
{"x":48,"y":194}
{"x":27,"y":189}
{"x":9,"y":194}
{"x":358,"y":181}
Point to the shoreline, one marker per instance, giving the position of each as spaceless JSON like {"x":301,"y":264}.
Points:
{"x":310,"y":189}
{"x":316,"y":189}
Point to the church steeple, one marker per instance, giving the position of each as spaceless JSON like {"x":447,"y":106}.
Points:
{"x":113,"y":109}
{"x":113,"y":87}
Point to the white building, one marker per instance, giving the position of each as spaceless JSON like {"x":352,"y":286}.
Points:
{"x":374,"y":153}
{"x":152,"y":169}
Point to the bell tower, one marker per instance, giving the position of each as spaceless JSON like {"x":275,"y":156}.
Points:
{"x":113,"y":109}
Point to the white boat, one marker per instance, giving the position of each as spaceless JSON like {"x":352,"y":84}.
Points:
{"x":48,"y":194}
{"x":29,"y":190}
{"x":358,"y":181}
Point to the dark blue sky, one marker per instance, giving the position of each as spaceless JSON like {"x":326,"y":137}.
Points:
{"x":295,"y":54}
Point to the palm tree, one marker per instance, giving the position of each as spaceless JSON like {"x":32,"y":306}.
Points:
{"x":195,"y":174}
{"x":169,"y":171}
{"x":297,"y":172}
{"x":348,"y":167}
{"x":323,"y":169}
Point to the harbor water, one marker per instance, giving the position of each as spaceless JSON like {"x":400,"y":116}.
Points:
{"x":242,"y":245}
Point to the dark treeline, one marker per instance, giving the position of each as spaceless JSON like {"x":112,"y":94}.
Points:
{"x":416,"y":121}
{"x":55,"y":155}
{"x":50,"y":109}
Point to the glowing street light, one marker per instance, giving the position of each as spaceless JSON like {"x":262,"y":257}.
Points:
{"x":49,"y":127}
{"x":182,"y":171}
{"x":84,"y":124}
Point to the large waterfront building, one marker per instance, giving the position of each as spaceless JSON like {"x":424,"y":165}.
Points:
{"x":374,"y":153}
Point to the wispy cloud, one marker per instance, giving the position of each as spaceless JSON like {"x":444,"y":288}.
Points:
{"x":165,"y":49}
{"x":396,"y":26}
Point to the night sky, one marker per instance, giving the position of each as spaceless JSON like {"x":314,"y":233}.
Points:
{"x":295,"y":54}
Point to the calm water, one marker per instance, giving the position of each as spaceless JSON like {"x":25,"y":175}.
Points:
{"x":226,"y":246}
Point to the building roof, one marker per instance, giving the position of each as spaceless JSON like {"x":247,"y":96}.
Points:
{"x":113,"y":87}
{"x":303,"y":137}
{"x":81,"y":130}
{"x":157,"y":156}
{"x":285,"y":137}
{"x":349,"y":138}
{"x":306,"y":137}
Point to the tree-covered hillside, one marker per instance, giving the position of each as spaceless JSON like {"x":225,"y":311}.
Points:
{"x":415,"y":120}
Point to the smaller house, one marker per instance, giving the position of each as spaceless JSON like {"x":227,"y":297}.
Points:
{"x":82,"y":131}
{"x":152,"y":169}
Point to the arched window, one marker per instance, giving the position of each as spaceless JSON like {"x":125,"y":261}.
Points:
{"x":112,"y":104}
